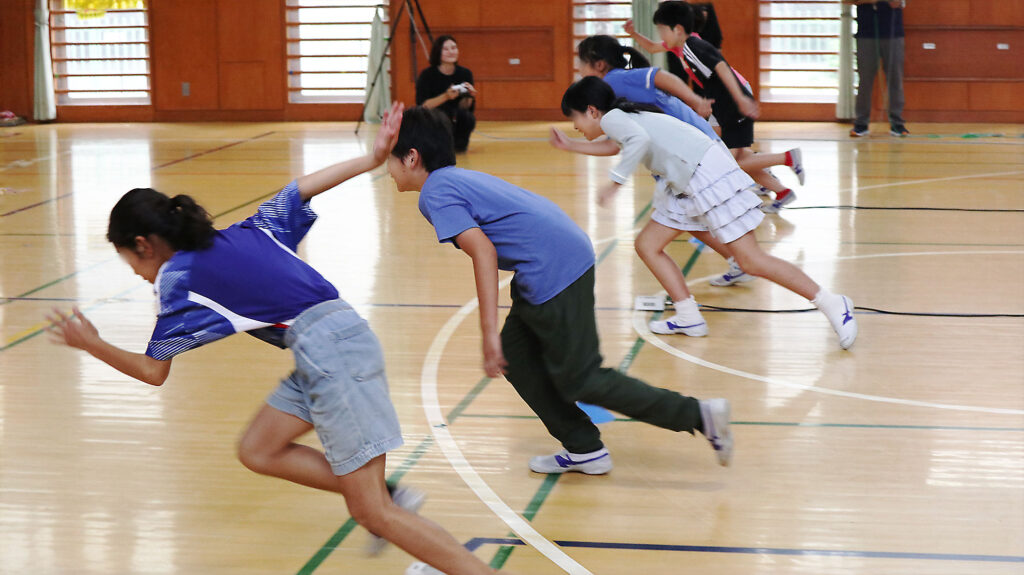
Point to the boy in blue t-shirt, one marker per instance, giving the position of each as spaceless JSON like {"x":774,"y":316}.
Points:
{"x":548,"y":346}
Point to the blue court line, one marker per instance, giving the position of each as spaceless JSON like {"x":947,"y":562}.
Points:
{"x":791,"y":424}
{"x":478,"y":542}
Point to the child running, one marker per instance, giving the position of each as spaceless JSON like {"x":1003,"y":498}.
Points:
{"x":700,"y":190}
{"x":733,"y":105}
{"x":548,"y":347}
{"x":247,"y":278}
{"x":604,"y":57}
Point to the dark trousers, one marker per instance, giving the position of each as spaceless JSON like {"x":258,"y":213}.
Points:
{"x":554,"y":361}
{"x":463,"y":123}
{"x":871,"y":51}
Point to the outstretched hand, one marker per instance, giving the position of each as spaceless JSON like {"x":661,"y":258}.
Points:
{"x":749,"y":107}
{"x":72,"y":329}
{"x":558,"y":139}
{"x":387,"y":135}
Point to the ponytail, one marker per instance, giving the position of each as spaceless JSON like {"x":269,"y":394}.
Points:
{"x":601,"y":48}
{"x":591,"y":91}
{"x":179,"y":221}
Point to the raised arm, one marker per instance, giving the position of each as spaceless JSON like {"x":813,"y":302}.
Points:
{"x":603,"y":147}
{"x":674,"y":85}
{"x":485,"y":269}
{"x":74,"y":330}
{"x":329,"y":177}
{"x":644,"y":42}
{"x":747,"y":105}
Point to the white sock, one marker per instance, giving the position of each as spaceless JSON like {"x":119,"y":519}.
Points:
{"x":687,"y":306}
{"x":823,"y":296}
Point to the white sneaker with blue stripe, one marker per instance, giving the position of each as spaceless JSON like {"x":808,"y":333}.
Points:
{"x":420,"y":568}
{"x":734,"y":276}
{"x":715,"y":413}
{"x":686,"y":321}
{"x":594,"y":463}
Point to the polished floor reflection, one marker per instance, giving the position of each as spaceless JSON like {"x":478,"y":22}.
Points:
{"x":902,"y":455}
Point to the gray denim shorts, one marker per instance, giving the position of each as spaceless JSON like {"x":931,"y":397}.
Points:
{"x":339,"y":386}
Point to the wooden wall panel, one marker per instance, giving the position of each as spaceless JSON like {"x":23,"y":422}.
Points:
{"x":995,"y":96}
{"x":964,"y":53}
{"x":938,"y":13}
{"x":997,"y":13}
{"x":183,"y":49}
{"x":738,"y":20}
{"x":931,"y":95}
{"x":16,"y":56}
{"x":250,"y":50}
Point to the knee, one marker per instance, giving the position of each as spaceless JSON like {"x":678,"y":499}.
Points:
{"x":252,"y":456}
{"x":750,"y":264}
{"x":645,"y":248}
{"x":371,"y":516}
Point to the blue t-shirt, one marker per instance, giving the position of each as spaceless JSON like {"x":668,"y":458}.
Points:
{"x":249,"y":280}
{"x":637,"y":85}
{"x":533,"y":236}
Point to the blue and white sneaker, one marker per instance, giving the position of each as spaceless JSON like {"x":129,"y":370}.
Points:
{"x":407,"y":498}
{"x":420,"y":568}
{"x":594,"y":463}
{"x":687,"y":321}
{"x":715,"y":413}
{"x":796,"y":158}
{"x":734,"y":276}
{"x":839,"y":311}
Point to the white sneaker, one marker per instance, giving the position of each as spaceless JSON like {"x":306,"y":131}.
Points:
{"x":407,"y":498}
{"x":734,"y":276}
{"x":686,"y":321}
{"x":715,"y":413}
{"x":594,"y":463}
{"x":839,"y":311}
{"x":798,"y":164}
{"x":420,"y":568}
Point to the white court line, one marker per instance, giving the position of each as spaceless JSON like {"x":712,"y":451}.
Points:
{"x":438,"y":426}
{"x":640,"y":325}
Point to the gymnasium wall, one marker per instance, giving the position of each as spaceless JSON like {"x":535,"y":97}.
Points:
{"x":232,"y":55}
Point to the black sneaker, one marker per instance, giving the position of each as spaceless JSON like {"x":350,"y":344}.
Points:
{"x":859,"y":131}
{"x":900,"y":131}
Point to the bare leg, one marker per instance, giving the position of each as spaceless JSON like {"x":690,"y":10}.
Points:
{"x":712,"y":242}
{"x":756,"y":261}
{"x":756,"y":166}
{"x":650,"y":246}
{"x":268,"y":447}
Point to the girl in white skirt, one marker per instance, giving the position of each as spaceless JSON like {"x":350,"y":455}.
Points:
{"x":700,"y":190}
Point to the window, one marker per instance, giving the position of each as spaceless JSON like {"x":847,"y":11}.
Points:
{"x":100,"y":57}
{"x":799,"y":50}
{"x":590,"y":17}
{"x":328,"y":47}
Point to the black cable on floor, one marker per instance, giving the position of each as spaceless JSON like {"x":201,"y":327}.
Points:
{"x":862,"y":308}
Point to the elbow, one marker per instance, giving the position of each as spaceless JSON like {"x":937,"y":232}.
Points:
{"x":157,"y":373}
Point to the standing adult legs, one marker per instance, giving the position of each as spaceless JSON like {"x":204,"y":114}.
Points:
{"x":867,"y":69}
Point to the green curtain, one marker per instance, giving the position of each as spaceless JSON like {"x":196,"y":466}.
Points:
{"x":643,"y":20}
{"x":378,"y":97}
{"x":845,"y":102}
{"x":45,"y":105}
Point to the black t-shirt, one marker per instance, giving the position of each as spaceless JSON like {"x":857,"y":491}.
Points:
{"x":702,"y":58}
{"x":432,"y":83}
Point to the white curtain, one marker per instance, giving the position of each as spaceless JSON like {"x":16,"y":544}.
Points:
{"x":45,"y":109}
{"x":845,"y":102}
{"x":378,"y":97}
{"x":643,"y":20}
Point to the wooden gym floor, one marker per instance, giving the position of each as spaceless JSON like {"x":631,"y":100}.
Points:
{"x":902,"y":455}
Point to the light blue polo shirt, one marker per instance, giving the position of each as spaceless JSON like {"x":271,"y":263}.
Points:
{"x":533,"y":236}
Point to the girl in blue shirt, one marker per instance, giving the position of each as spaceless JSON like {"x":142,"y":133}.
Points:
{"x":247,"y":278}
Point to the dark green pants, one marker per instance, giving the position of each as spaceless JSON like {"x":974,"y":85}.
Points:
{"x":554,"y":361}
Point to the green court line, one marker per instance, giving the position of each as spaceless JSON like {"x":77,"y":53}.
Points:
{"x":335,"y":540}
{"x":501,"y":556}
{"x":467,"y":399}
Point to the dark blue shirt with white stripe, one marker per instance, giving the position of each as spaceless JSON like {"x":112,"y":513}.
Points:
{"x":249,"y":280}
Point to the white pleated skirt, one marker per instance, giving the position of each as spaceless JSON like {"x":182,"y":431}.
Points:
{"x":716,"y":199}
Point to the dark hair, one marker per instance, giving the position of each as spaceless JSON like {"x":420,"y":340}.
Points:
{"x":429,"y":132}
{"x":593,"y":91}
{"x":435,"y":50}
{"x":674,"y":13}
{"x":601,"y":48}
{"x":179,"y":221}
